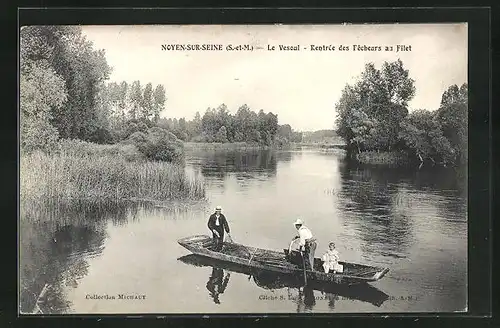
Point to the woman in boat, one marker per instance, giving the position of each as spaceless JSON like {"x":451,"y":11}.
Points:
{"x":307,"y":244}
{"x":217,"y":224}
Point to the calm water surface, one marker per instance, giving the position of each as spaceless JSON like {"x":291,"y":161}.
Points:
{"x":413,"y":222}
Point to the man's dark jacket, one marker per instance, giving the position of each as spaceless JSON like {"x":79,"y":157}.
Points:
{"x":222,"y":223}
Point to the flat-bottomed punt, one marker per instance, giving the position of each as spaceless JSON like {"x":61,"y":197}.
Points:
{"x":281,"y":262}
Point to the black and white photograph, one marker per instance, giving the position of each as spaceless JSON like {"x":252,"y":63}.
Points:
{"x":232,"y":169}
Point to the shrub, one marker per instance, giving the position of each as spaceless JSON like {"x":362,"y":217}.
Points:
{"x":158,"y":145}
{"x":130,"y":129}
{"x":101,"y":136}
{"x":37,"y":134}
{"x":281,"y":142}
{"x":142,"y":127}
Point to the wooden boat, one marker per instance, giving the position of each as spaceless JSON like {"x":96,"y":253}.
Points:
{"x":280,"y":262}
{"x":273,"y":280}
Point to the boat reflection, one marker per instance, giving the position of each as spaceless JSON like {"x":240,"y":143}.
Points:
{"x":305,"y":298}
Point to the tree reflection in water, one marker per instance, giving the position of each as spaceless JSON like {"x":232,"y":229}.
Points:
{"x":56,"y":243}
{"x":368,"y":201}
{"x":379,"y":202}
{"x":253,"y":163}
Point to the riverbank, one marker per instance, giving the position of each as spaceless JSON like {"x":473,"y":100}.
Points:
{"x":99,"y":173}
{"x":252,"y":146}
{"x":223,"y":146}
{"x":382,"y":158}
{"x":318,"y":145}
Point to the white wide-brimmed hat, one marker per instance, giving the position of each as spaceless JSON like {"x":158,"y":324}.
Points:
{"x":218,"y":208}
{"x":298,"y":221}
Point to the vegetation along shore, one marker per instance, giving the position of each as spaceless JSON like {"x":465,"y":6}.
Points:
{"x":78,"y":141}
{"x":84,"y":137}
{"x":374,"y":120}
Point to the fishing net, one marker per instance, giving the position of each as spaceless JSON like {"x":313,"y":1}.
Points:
{"x":255,"y":254}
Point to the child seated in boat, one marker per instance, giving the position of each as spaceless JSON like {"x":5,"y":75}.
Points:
{"x":331,"y":260}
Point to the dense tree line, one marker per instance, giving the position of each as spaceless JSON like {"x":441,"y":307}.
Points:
{"x":372,"y":115}
{"x":134,"y":101}
{"x":219,"y":125}
{"x":130,"y":108}
{"x":64,"y":93}
{"x":321,"y":136}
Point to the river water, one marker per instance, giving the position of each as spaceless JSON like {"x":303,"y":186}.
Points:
{"x":412,"y":221}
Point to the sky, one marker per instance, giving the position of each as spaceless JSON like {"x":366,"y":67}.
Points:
{"x":301,"y":87}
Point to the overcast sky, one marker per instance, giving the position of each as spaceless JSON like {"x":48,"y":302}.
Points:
{"x":301,"y":87}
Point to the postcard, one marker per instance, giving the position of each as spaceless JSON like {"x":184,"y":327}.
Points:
{"x":187,"y":169}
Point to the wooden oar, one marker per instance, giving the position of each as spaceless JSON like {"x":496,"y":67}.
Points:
{"x":290,"y":247}
{"x":304,"y":264}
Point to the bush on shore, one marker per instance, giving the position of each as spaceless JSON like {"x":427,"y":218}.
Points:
{"x":157,"y":144}
{"x":383,"y":157}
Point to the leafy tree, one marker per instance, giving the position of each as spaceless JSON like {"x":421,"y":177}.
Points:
{"x":243,"y":123}
{"x":398,"y":85}
{"x":83,"y":69}
{"x":453,"y":116}
{"x":415,"y":132}
{"x":271,"y":126}
{"x":221,"y":135}
{"x":159,"y":99}
{"x":122,"y":99}
{"x":41,"y":90}
{"x":135,"y":99}
{"x":285,"y":132}
{"x":208,"y":123}
{"x":346,"y":106}
{"x":147,"y":101}
{"x":379,"y":97}
{"x":422,"y":133}
{"x":363,"y":128}
{"x":194,"y":126}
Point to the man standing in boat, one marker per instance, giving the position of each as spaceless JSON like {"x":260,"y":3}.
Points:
{"x":217,"y":224}
{"x":307,"y":244}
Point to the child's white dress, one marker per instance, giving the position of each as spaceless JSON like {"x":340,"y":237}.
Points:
{"x":330,"y":261}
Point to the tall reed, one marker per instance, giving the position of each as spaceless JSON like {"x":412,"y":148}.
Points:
{"x":105,"y":174}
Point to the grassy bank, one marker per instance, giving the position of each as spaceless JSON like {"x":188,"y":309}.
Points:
{"x":253,"y":146}
{"x":382,"y":158}
{"x":318,"y":145}
{"x":223,"y":146}
{"x":86,"y":171}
